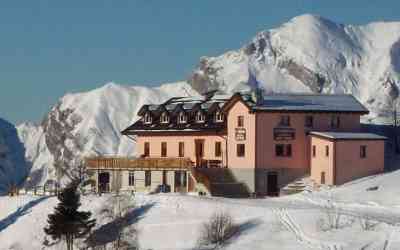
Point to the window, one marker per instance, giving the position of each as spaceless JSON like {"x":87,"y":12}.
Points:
{"x":285,"y":120}
{"x":200,"y":117}
{"x":163,"y":149}
{"x":181,"y":149}
{"x":147,"y":178}
{"x":219,"y":117}
{"x":182,"y":118}
{"x":240,"y":150}
{"x":326,"y":151}
{"x":131,"y":178}
{"x":309,"y":122}
{"x":283,"y":150}
{"x":240,"y":121}
{"x":314,"y":150}
{"x":335,"y":121}
{"x":322,"y":177}
{"x":164,"y":118}
{"x":147,"y":118}
{"x":218,"y":151}
{"x":146,"y":149}
{"x":363,"y":151}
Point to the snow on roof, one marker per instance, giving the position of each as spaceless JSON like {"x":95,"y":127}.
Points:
{"x":310,"y":102}
{"x":349,"y":135}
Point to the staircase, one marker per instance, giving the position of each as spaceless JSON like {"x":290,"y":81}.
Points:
{"x":219,"y":182}
{"x":298,"y":186}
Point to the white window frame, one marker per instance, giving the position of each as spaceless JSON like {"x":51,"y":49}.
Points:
{"x":164,"y":118}
{"x":147,"y":118}
{"x":219,"y":116}
{"x":200,"y":117}
{"x":182,"y":118}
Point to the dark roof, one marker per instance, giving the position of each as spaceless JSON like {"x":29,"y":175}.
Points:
{"x":140,"y":127}
{"x":207,"y":104}
{"x":310,"y":102}
{"x":348,"y":136}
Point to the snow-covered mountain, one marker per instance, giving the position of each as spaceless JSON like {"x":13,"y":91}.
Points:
{"x":87,"y":124}
{"x":13,"y":168}
{"x":312,"y":54}
{"x":306,"y":54}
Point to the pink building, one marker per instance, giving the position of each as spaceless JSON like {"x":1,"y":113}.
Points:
{"x":253,"y":144}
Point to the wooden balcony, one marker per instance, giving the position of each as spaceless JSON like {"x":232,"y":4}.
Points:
{"x":126,"y":163}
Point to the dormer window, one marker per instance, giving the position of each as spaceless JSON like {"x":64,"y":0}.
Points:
{"x":147,"y":118}
{"x":200,"y":117}
{"x":182,"y":118}
{"x":164,"y":118}
{"x":219,"y":117}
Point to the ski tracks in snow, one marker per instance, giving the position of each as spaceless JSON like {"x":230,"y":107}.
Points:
{"x":285,"y":218}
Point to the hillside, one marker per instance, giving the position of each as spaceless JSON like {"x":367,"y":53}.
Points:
{"x":88,"y":124}
{"x":313,"y":54}
{"x":307,"y":54}
{"x":173,"y":221}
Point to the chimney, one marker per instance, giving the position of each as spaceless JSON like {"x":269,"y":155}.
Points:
{"x":257,"y":95}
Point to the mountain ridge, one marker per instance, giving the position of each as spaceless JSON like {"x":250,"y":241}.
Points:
{"x":308,"y":54}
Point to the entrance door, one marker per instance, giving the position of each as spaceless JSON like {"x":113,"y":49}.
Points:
{"x":104,"y":182}
{"x":199,"y":149}
{"x":272,"y":184}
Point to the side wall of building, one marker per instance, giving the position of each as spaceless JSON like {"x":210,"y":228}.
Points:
{"x":322,"y":165}
{"x":242,"y":167}
{"x":289,"y":168}
{"x":189,"y":146}
{"x":300,"y":158}
{"x":119,"y":180}
{"x":349,"y":164}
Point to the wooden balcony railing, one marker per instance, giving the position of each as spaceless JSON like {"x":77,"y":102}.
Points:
{"x":210,"y":163}
{"x":121,"y":163}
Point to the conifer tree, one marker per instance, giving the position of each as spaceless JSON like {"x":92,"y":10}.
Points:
{"x":67,"y":223}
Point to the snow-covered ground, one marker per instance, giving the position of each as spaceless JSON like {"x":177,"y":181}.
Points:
{"x":173,"y":221}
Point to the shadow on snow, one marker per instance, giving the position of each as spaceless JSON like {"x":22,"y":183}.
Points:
{"x":21,"y":211}
{"x":109,"y":232}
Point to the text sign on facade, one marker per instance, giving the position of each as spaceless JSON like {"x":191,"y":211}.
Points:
{"x":240,"y":134}
{"x":284,"y":134}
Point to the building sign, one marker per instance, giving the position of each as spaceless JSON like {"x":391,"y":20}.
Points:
{"x":240,"y":134}
{"x":284,"y":134}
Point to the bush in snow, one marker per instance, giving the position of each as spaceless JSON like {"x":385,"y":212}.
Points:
{"x":367,"y":223}
{"x":67,"y":223}
{"x":217,"y":230}
{"x":334,"y":217}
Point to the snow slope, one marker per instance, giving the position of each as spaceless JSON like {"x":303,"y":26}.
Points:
{"x":87,"y":124}
{"x":313,"y":54}
{"x":173,"y":221}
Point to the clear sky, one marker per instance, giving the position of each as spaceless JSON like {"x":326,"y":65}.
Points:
{"x":50,"y":47}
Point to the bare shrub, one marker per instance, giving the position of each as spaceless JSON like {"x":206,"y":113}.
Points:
{"x":334,"y":218}
{"x":367,"y":223}
{"x":217,"y":230}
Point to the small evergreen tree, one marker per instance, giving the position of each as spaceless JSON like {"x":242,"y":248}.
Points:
{"x":67,"y":223}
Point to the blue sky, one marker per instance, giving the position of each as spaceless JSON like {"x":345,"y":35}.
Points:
{"x":50,"y":47}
